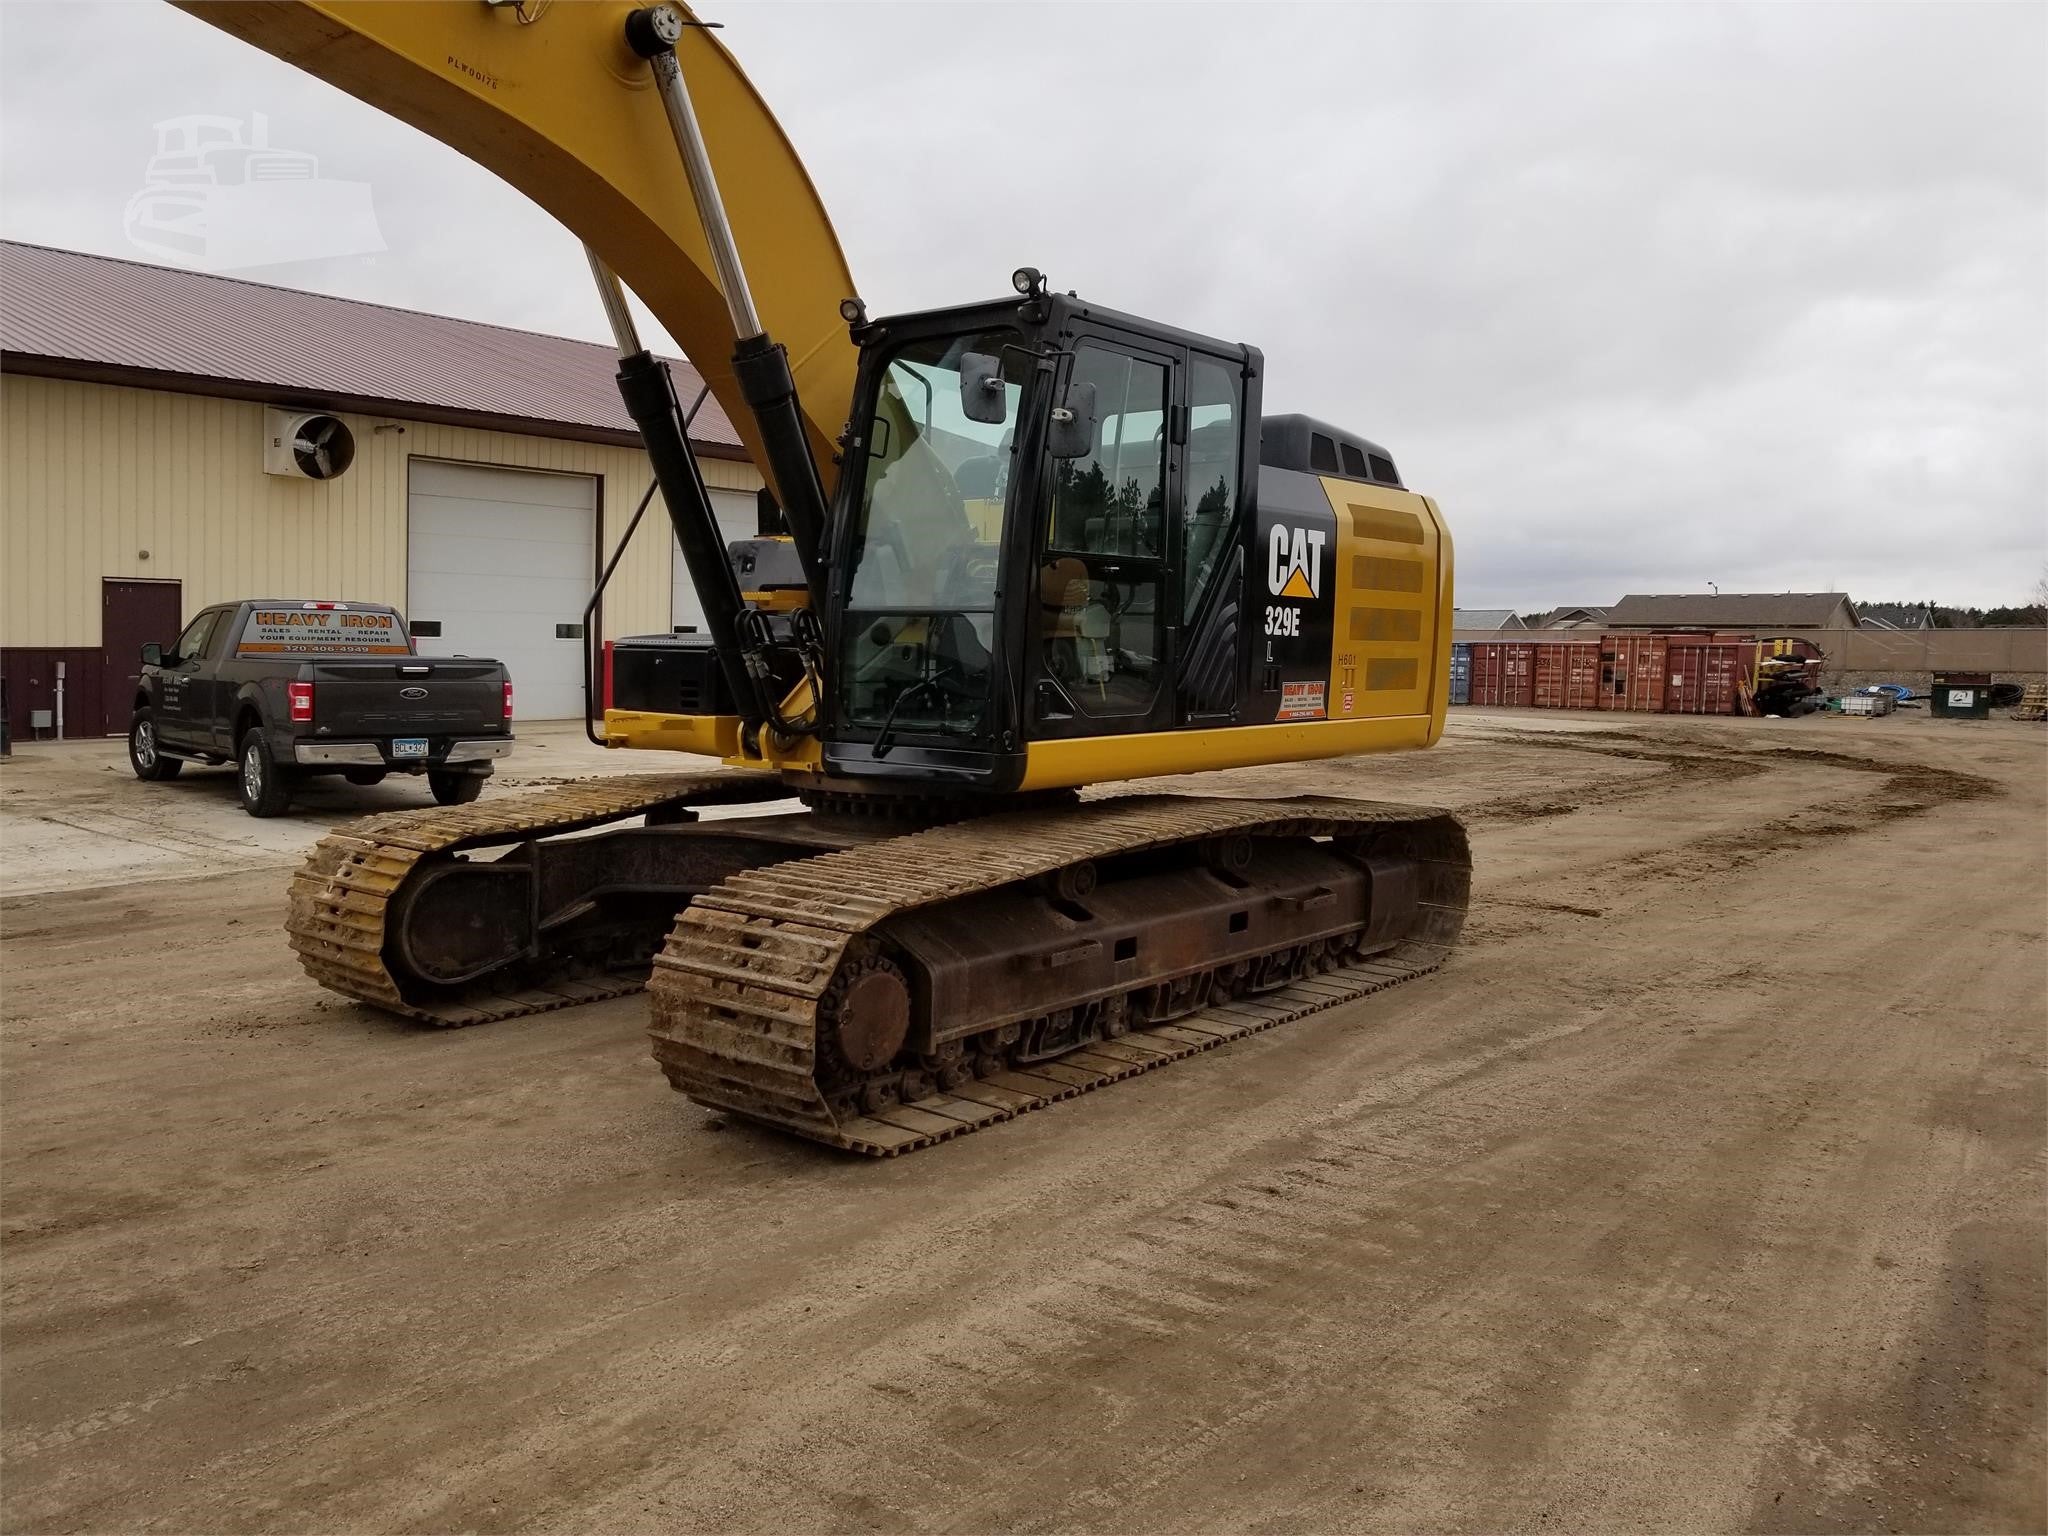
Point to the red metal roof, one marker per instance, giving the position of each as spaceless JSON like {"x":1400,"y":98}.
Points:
{"x":130,"y":315}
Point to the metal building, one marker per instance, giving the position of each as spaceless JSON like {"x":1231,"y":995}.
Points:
{"x":155,"y":457}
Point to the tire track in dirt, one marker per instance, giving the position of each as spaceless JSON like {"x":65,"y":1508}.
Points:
{"x":1585,"y":1232}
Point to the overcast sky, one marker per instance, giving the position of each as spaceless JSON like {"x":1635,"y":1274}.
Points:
{"x":1646,"y":296}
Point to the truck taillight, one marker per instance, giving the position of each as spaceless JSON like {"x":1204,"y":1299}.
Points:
{"x":301,"y":696}
{"x":508,"y":701}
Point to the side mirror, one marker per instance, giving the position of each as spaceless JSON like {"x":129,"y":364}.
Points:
{"x":152,"y":655}
{"x":981,"y":389}
{"x":1072,"y":435}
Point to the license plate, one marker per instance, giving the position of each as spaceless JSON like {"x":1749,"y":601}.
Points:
{"x":409,"y":746}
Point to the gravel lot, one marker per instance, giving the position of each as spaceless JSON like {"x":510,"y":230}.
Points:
{"x":1702,"y":1191}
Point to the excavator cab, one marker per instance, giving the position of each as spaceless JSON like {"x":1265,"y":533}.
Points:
{"x":1041,"y":532}
{"x":1037,"y":535}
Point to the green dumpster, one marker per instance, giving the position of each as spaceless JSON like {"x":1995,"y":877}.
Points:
{"x":1961,"y":696}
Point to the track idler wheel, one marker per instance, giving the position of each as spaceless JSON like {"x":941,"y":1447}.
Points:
{"x":867,"y":1011}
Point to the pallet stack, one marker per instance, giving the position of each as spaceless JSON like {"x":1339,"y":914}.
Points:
{"x":2033,"y":703}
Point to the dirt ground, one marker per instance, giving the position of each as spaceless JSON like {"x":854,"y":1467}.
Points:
{"x":1702,"y":1191}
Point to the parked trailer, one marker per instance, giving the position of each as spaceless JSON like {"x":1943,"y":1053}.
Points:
{"x":1567,"y":674}
{"x":1503,"y":673}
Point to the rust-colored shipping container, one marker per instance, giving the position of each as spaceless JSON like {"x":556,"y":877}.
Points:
{"x":1567,"y":674}
{"x":1632,"y":672}
{"x":1503,"y":673}
{"x":1706,"y":676}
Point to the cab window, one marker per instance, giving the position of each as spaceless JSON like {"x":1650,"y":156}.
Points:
{"x":1102,"y":570}
{"x":1112,"y":501}
{"x":1209,"y":507}
{"x":192,"y":644}
{"x":930,"y":520}
{"x":921,"y":631}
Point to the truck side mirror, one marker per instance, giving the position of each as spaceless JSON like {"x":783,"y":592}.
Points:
{"x":1072,"y":435}
{"x":981,"y":389}
{"x":152,"y":655}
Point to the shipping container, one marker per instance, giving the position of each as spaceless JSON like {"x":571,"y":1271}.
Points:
{"x":1707,"y":676}
{"x":1632,"y":672}
{"x":1567,"y":674}
{"x":1461,"y":672}
{"x":1503,"y":673}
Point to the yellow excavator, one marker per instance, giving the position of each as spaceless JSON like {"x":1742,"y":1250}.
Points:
{"x":1027,"y":546}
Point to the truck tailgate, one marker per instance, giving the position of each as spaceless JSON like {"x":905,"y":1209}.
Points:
{"x":408,"y":696}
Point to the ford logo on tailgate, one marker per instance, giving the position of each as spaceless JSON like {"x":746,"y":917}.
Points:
{"x":412,"y":693}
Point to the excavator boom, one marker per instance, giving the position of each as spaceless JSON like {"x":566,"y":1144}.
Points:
{"x":550,"y":97}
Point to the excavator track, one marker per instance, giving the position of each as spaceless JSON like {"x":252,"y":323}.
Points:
{"x":342,"y":899}
{"x":761,"y":970}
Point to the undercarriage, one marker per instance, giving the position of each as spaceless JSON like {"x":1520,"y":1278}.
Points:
{"x":874,"y":988}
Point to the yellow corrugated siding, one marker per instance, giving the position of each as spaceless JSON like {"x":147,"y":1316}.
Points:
{"x":96,"y":473}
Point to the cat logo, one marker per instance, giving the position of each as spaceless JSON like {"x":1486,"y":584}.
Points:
{"x":1294,"y":562}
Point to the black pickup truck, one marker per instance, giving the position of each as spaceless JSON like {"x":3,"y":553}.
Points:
{"x":285,"y":688}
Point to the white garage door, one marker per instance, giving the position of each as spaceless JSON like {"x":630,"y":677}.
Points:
{"x":738,"y":518}
{"x":503,"y":561}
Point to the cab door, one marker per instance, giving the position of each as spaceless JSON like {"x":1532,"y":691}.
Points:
{"x":1106,"y":603}
{"x":1219,"y":476}
{"x":186,"y":716}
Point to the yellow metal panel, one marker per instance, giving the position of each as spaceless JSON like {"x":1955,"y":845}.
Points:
{"x":1060,"y":764}
{"x":1104,"y":759}
{"x":1446,"y":561}
{"x":565,"y":112}
{"x":1390,"y":653}
{"x":641,"y":730}
{"x":711,"y":735}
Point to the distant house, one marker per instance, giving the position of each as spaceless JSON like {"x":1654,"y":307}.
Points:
{"x":1581,"y":616}
{"x":1758,"y":612}
{"x":1486,"y":618}
{"x":1895,"y":616}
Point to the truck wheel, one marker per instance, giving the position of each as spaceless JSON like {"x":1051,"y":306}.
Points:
{"x":454,"y":788}
{"x":144,"y":755}
{"x":264,"y":788}
{"x":364,"y":777}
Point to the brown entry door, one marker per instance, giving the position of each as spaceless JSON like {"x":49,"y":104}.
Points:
{"x":132,"y":613}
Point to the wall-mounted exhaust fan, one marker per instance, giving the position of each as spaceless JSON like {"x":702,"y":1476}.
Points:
{"x":306,"y":446}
